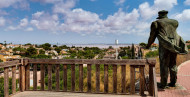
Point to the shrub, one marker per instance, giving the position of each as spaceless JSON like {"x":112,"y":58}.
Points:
{"x":10,"y":86}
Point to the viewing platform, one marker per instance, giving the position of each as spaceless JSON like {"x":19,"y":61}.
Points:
{"x":50,"y":67}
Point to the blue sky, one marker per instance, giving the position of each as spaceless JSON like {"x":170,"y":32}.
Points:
{"x":86,"y":21}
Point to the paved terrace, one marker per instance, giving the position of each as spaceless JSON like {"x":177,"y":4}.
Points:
{"x":67,"y":94}
{"x":183,"y":83}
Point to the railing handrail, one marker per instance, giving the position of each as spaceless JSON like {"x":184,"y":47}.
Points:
{"x":10,"y":63}
{"x":94,"y":61}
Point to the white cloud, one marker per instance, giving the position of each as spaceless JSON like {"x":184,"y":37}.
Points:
{"x":79,"y":20}
{"x":22,"y":4}
{"x":47,"y":1}
{"x":81,"y":16}
{"x":64,"y":18}
{"x":46,"y":22}
{"x":23,"y":22}
{"x":22,"y":25}
{"x":64,"y":7}
{"x":14,"y":3}
{"x":121,"y":22}
{"x":119,"y":2}
{"x":85,"y":22}
{"x":146,"y":11}
{"x":184,"y":16}
{"x":11,"y":28}
{"x":7,"y":3}
{"x":29,"y":29}
{"x":165,"y":4}
{"x":187,"y":2}
{"x":2,"y":21}
{"x":37,"y":14}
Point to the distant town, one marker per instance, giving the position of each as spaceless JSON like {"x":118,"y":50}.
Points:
{"x":9,"y":51}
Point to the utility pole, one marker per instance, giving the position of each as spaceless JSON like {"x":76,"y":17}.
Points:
{"x":116,"y":43}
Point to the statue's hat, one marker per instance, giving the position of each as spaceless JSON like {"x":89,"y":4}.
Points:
{"x":162,"y":14}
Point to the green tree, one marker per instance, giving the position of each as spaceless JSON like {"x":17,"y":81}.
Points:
{"x":58,"y":49}
{"x":142,"y":44}
{"x":54,"y":45}
{"x":18,"y":49}
{"x":41,"y":51}
{"x":122,"y":53}
{"x":110,"y":47}
{"x":46,"y":46}
{"x":28,"y":44}
{"x":88,"y":54}
{"x":41,"y":56}
{"x":188,"y":46}
{"x":30,"y":52}
{"x":133,"y":51}
{"x":5,"y":43}
{"x":63,"y":47}
{"x":152,"y":54}
{"x":22,"y":51}
{"x":129,"y":53}
{"x":0,"y":48}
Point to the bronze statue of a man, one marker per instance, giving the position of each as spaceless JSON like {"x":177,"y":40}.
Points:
{"x":170,"y":44}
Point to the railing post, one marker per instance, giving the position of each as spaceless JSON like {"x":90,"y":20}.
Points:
{"x":34,"y":77}
{"x":97,"y":78}
{"x":13,"y":79}
{"x":81,"y":77}
{"x":114,"y":78}
{"x":155,"y":83}
{"x":42,"y":74}
{"x":142,"y":80}
{"x":65,"y":77}
{"x":6,"y":82}
{"x":73,"y":77}
{"x":22,"y":75}
{"x":151,"y":83}
{"x":89,"y":77}
{"x":57,"y":77}
{"x":49,"y":77}
{"x":132,"y":79}
{"x":106,"y":78}
{"x":123,"y":78}
{"x":27,"y":78}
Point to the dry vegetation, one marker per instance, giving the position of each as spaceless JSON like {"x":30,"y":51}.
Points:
{"x":110,"y":79}
{"x":180,"y":59}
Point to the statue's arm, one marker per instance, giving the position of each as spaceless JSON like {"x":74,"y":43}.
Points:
{"x":153,"y":34}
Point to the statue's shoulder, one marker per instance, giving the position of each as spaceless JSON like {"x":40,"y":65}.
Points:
{"x":173,"y":20}
{"x":166,"y":19}
{"x":154,"y":23}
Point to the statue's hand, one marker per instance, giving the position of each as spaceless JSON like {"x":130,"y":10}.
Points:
{"x":178,"y":48}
